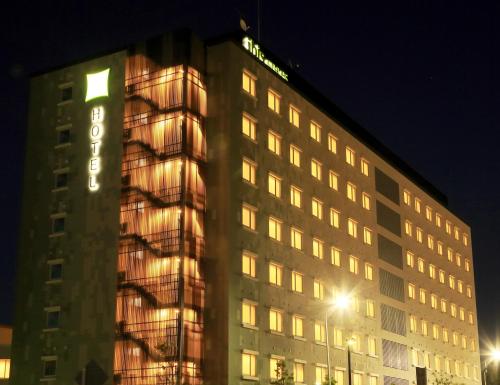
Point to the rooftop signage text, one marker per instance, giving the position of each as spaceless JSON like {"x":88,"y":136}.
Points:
{"x":254,"y":49}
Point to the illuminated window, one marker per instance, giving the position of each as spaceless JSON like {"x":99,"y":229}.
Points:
{"x":411,"y":291}
{"x":408,"y":228}
{"x":448,"y":227}
{"x":49,"y":366}
{"x":418,"y":205}
{"x":427,"y":360}
{"x":275,"y":274}
{"x":410,"y":259}
{"x":432,"y":271}
{"x":353,"y":264}
{"x":315,"y":131}
{"x":274,"y":365}
{"x":447,"y":365}
{"x":351,"y":191}
{"x":317,"y":208}
{"x":248,"y":216}
{"x":455,"y":338}
{"x":372,"y":351}
{"x":372,"y":379}
{"x":335,"y":256}
{"x":451,"y":281}
{"x":248,"y":310}
{"x":357,"y":378}
{"x":364,"y":167}
{"x":458,"y":368}
{"x":316,"y":169}
{"x":296,"y":238}
{"x":422,"y":296}
{"x":420,"y":235}
{"x":248,"y":364}
{"x":317,"y":248}
{"x":450,"y":254}
{"x":439,"y":220}
{"x":453,"y":310}
{"x":468,"y":291}
{"x":248,"y":125}
{"x":370,"y":308}
{"x":420,"y":265}
{"x":368,"y":271}
{"x":297,"y":282}
{"x":52,"y":317}
{"x":334,"y":218}
{"x":295,"y":196}
{"x":319,"y":290}
{"x":298,"y":326}
{"x":274,"y":142}
{"x":472,"y":344}
{"x":413,"y":323}
{"x":275,"y":228}
{"x":442,"y":276}
{"x":437,"y":363}
{"x":476,"y":373}
{"x":456,"y":232}
{"x":295,"y":155}
{"x":276,"y":320}
{"x":440,"y":248}
{"x":333,"y":180}
{"x":58,"y":224}
{"x":366,"y":201}
{"x":352,"y":228}
{"x":446,"y":337}
{"x":467,"y":265}
{"x":4,"y":368}
{"x":367,"y":236}
{"x":273,"y":101}
{"x":319,"y":331}
{"x":356,"y":342}
{"x":434,"y":301}
{"x":248,"y":171}
{"x":294,"y":116}
{"x":460,"y":286}
{"x":320,"y":374}
{"x":249,"y":82}
{"x":465,"y":239}
{"x":428,"y":213}
{"x":332,"y":143}
{"x":406,"y":197}
{"x":443,"y":305}
{"x":274,"y":185}
{"x":355,"y":303}
{"x":430,"y":241}
{"x":350,"y":156}
{"x":338,"y":339}
{"x":461,"y":313}
{"x":424,"y":328}
{"x":248,"y":261}
{"x":298,"y":372}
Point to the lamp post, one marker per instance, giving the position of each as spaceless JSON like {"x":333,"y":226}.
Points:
{"x":350,"y":342}
{"x":494,"y":357}
{"x":341,"y":302}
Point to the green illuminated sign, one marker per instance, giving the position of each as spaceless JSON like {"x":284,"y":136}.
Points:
{"x":97,"y":85}
{"x":254,"y":49}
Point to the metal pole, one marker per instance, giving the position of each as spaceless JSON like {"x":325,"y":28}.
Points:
{"x":483,"y":373}
{"x":349,"y":363}
{"x":327,"y":350}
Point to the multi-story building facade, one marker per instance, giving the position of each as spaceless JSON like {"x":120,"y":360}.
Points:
{"x":191,"y":208}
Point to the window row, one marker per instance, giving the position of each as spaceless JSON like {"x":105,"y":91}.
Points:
{"x":439,"y":332}
{"x":438,"y":274}
{"x":441,"y":304}
{"x":444,"y":364}
{"x":435,"y":217}
{"x":277,"y":366}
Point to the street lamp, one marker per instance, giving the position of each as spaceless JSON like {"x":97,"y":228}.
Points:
{"x":341,"y":302}
{"x":494,"y":356}
{"x":351,"y":341}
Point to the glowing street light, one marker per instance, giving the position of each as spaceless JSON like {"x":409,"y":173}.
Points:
{"x":493,"y":356}
{"x":341,"y":302}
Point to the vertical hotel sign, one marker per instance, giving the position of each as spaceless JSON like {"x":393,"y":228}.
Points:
{"x":97,"y":87}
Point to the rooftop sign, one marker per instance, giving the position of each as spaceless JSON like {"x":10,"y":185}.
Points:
{"x":97,"y":85}
{"x":254,"y":49}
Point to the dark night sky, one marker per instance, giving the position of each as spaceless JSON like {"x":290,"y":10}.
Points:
{"x":420,"y":75}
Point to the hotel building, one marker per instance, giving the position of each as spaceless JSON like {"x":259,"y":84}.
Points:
{"x":190,"y":210}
